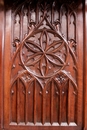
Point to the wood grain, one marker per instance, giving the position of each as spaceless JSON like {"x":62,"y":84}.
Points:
{"x":44,"y":65}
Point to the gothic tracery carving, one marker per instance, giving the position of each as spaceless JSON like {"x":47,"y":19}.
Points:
{"x":46,"y":56}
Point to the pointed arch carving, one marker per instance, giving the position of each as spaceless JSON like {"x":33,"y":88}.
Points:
{"x":42,"y":56}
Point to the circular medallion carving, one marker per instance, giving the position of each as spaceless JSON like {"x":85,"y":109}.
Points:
{"x":45,"y":54}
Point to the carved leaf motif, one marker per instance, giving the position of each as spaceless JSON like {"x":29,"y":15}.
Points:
{"x":70,"y":77}
{"x":44,"y":66}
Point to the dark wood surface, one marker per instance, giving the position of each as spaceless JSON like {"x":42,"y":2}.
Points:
{"x":43,"y":65}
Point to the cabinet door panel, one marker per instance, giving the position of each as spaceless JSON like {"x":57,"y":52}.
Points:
{"x":43,"y":66}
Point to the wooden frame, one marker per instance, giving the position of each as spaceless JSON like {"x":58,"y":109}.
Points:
{"x":1,"y":59}
{"x":84,"y":67}
{"x":85,"y":64}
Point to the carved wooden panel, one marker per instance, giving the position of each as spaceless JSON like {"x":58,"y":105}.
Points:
{"x":44,"y":85}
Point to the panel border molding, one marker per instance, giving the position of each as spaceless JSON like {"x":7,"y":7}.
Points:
{"x":85,"y":65}
{"x":1,"y":60}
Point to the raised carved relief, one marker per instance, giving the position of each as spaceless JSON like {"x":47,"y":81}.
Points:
{"x":45,"y":61}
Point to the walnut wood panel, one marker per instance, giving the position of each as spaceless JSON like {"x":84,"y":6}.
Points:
{"x":46,"y":59}
{"x":43,"y":67}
